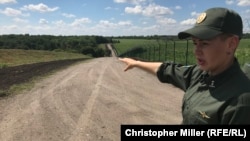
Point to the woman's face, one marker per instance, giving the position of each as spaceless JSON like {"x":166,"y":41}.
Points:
{"x":214,"y":55}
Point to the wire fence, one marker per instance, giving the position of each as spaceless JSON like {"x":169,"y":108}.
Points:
{"x":180,"y":52}
{"x":170,"y":50}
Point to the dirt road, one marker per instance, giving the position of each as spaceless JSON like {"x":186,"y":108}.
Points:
{"x":88,"y":102}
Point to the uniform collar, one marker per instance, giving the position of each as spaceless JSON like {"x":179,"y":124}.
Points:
{"x":214,"y":81}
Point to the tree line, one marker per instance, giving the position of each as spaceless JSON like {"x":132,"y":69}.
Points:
{"x":84,"y":44}
{"x":78,"y":44}
{"x":155,"y":37}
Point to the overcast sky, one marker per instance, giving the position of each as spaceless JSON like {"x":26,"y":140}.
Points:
{"x":108,"y":17}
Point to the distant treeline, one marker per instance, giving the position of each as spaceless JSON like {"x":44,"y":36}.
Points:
{"x":78,"y":44}
{"x":173,"y":37}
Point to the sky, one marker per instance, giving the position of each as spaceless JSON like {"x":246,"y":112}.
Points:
{"x":109,"y":17}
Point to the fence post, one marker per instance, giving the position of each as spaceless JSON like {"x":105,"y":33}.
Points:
{"x":149,"y":53}
{"x":174,"y":51}
{"x":166,"y":48}
{"x":187,"y":53}
{"x":159,"y":50}
{"x":159,"y":58}
{"x":154,"y":54}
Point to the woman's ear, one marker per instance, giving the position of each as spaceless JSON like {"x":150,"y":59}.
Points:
{"x":233,"y":43}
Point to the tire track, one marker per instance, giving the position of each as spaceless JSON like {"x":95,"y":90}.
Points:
{"x":34,"y":104}
{"x":82,"y":123}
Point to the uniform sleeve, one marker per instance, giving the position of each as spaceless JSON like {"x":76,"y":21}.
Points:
{"x":238,"y":111}
{"x":178,"y":75}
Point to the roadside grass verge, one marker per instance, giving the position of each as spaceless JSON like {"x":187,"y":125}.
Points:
{"x":19,"y":69}
{"x":15,"y":57}
{"x":28,"y":83}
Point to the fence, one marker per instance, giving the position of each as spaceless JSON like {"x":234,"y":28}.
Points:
{"x":169,"y":50}
{"x":180,"y":52}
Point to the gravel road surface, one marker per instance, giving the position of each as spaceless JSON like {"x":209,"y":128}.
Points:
{"x":88,"y":101}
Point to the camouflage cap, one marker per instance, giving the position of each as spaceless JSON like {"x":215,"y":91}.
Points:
{"x":215,"y":21}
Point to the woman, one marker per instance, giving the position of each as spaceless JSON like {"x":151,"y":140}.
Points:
{"x":216,"y":89}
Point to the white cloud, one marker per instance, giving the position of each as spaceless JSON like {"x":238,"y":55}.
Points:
{"x":68,"y":15}
{"x":110,"y":8}
{"x":120,"y":1}
{"x":103,"y":28}
{"x":178,"y":7}
{"x":151,"y":10}
{"x":19,"y":20}
{"x":130,"y":1}
{"x":165,"y":21}
{"x":7,"y":1}
{"x":154,"y":9}
{"x":9,"y":27}
{"x":39,"y":7}
{"x":229,"y":2}
{"x":106,"y":23}
{"x":125,"y":23}
{"x":188,"y":22}
{"x":243,"y":2}
{"x":80,"y":22}
{"x":195,"y":14}
{"x":11,"y":12}
{"x":152,"y":19}
{"x":43,"y":21}
{"x":136,"y":10}
{"x":59,"y":23}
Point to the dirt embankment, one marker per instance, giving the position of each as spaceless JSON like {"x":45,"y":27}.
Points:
{"x":23,"y":73}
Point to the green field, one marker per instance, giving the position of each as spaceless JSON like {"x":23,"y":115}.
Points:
{"x":179,"y":51}
{"x":15,"y":57}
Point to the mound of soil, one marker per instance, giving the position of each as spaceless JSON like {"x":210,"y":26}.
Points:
{"x":23,"y":73}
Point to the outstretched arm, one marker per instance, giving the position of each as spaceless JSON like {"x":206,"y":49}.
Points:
{"x":150,"y":67}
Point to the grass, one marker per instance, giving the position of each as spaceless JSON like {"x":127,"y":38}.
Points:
{"x":243,"y":51}
{"x":15,"y":57}
{"x":19,"y":88}
{"x":126,"y":44}
{"x":175,"y":51}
